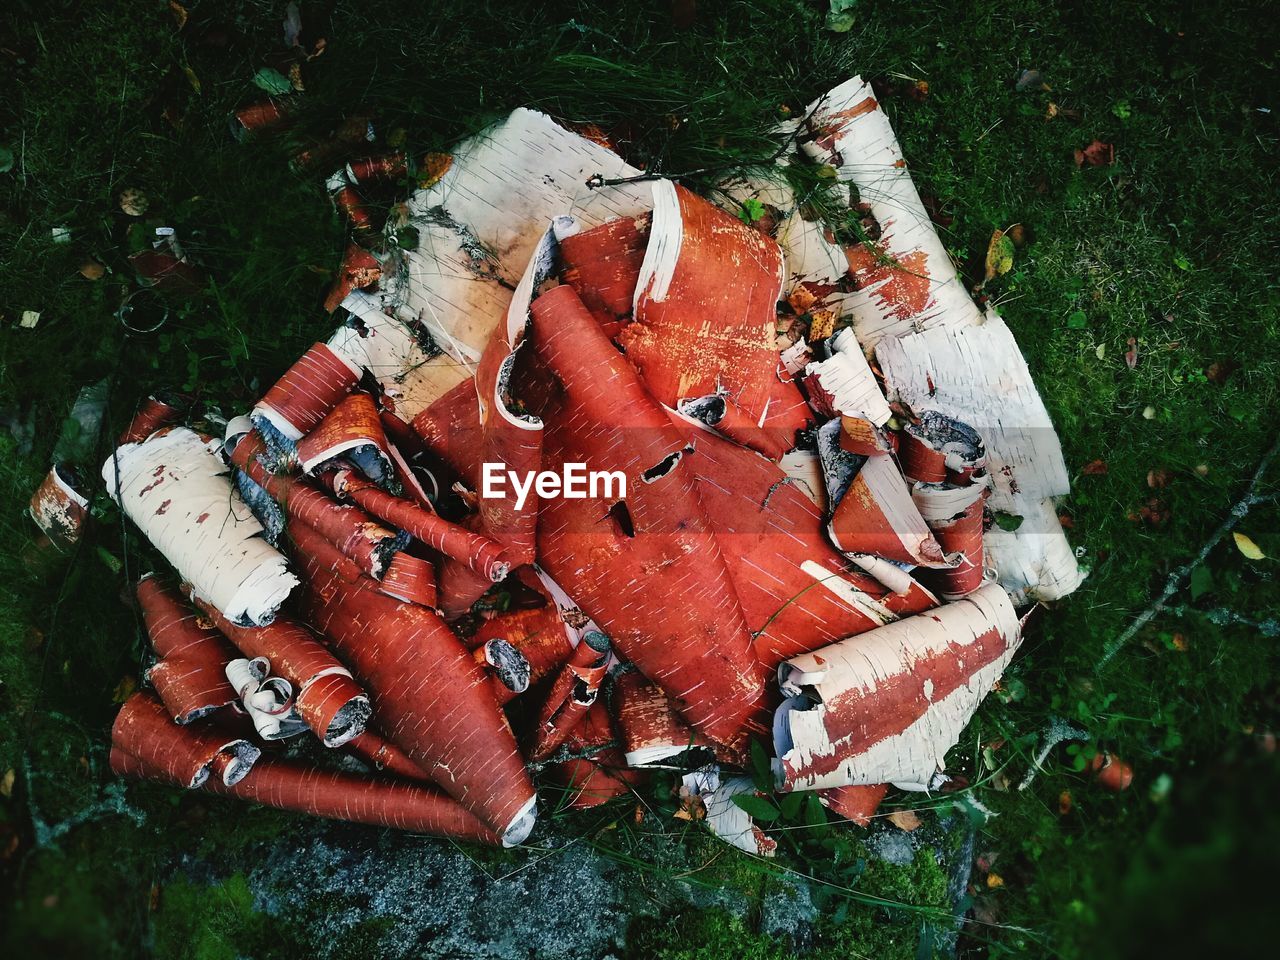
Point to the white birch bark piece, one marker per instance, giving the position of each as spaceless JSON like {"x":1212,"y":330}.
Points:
{"x":266,"y":699}
{"x":848,"y":130}
{"x":731,"y":823}
{"x":181,"y":497}
{"x":1034,"y":562}
{"x":976,"y":374}
{"x":478,"y":226}
{"x":844,"y":385}
{"x":885,"y":706}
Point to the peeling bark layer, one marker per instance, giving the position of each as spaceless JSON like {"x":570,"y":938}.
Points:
{"x":313,"y":386}
{"x":705,"y":305}
{"x":190,"y":674}
{"x":429,"y":696}
{"x":350,"y":432}
{"x":886,"y":706}
{"x":329,"y":701}
{"x":146,"y":743}
{"x":58,"y":508}
{"x":657,"y":583}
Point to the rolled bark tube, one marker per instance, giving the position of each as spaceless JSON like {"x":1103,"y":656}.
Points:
{"x":378,"y":169}
{"x":349,"y":528}
{"x":482,"y":555}
{"x":145,"y":742}
{"x":649,"y":728}
{"x":885,"y":707}
{"x":381,"y":754}
{"x":351,"y":432}
{"x":429,"y":696}
{"x":58,"y":508}
{"x":329,"y":700}
{"x":179,"y":493}
{"x":572,"y":693}
{"x":395,"y":804}
{"x":190,"y":674}
{"x":411,"y":579}
{"x":153,"y":414}
{"x":955,"y":515}
{"x":537,"y":636}
{"x":727,"y":418}
{"x":937,"y":448}
{"x":309,"y":389}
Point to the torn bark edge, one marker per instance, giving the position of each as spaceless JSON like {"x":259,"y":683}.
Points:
{"x":58,"y":508}
{"x":306,"y":392}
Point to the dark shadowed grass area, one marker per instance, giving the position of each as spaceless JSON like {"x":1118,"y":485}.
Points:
{"x":1170,"y":250}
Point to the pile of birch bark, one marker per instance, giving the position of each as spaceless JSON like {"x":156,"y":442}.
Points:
{"x":812,"y":426}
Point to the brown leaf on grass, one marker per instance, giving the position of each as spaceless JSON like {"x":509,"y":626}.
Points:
{"x":1155,"y":513}
{"x":1220,"y":371}
{"x":999,"y":255}
{"x":92,"y":270}
{"x":906,"y":820}
{"x":6,"y":783}
{"x":1131,"y":354}
{"x":1159,"y":478}
{"x":1064,"y":803}
{"x":1096,"y":154}
{"x":1095,"y":468}
{"x":1068,"y":523}
{"x":134,"y":202}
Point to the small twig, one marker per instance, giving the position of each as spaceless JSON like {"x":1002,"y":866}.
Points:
{"x":1180,"y":576}
{"x":1057,"y":731}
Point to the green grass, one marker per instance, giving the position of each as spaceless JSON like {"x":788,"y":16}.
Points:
{"x":1174,"y":245}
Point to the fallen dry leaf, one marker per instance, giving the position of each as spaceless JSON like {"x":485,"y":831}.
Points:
{"x":433,"y":167}
{"x":1246,"y":546}
{"x":124,"y":689}
{"x":999,"y":255}
{"x":1095,"y":468}
{"x":6,"y":783}
{"x":1096,"y":154}
{"x":906,"y":820}
{"x":994,"y":881}
{"x":1159,"y":478}
{"x":1220,"y":371}
{"x":1131,"y":354}
{"x":134,"y":202}
{"x":92,"y":270}
{"x":1064,"y":803}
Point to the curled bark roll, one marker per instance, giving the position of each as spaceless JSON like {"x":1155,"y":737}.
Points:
{"x":146,"y":743}
{"x":350,"y":432}
{"x":58,"y":508}
{"x":397,"y":804}
{"x":152,"y":415}
{"x":885,"y":707}
{"x":651,"y":574}
{"x":180,"y":495}
{"x":299,"y":400}
{"x":349,"y":528}
{"x":486,"y":557}
{"x":536,"y":636}
{"x":572,"y":693}
{"x":190,"y":675}
{"x":329,"y":701}
{"x":649,"y":728}
{"x":705,"y":304}
{"x":429,"y":695}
